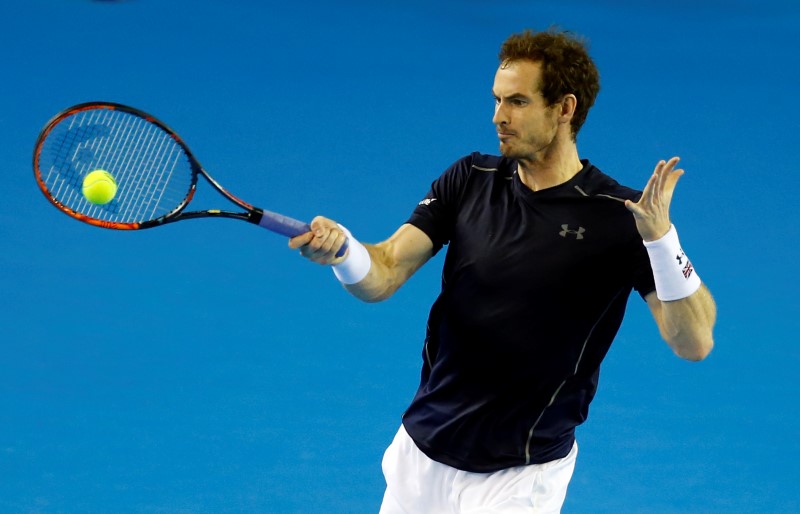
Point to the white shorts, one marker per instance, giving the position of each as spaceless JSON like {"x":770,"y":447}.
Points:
{"x":415,"y":484}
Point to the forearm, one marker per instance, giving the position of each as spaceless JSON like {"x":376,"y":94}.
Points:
{"x":391,"y":263}
{"x":383,"y":279}
{"x":683,"y":306}
{"x":687,"y":324}
{"x":369,"y":272}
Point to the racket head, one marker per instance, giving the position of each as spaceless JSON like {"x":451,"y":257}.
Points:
{"x":155,"y":172}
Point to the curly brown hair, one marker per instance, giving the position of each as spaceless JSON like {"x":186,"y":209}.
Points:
{"x":566,"y":67}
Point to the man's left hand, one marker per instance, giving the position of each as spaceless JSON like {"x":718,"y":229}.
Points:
{"x":652,"y":210}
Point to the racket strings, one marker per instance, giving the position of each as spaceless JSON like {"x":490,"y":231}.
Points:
{"x":152,"y":171}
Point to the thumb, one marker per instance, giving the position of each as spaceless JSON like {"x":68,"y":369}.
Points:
{"x":300,"y":240}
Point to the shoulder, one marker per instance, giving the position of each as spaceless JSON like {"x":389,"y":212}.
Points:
{"x":492,"y":164}
{"x":479,"y":162}
{"x":474,"y":169}
{"x":596,"y":183}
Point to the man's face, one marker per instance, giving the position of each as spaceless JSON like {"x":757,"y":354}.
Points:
{"x":526,"y":126}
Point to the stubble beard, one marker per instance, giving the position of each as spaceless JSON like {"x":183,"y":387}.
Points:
{"x":514,"y":152}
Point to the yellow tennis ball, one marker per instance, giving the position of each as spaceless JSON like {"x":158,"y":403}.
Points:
{"x":99,"y":187}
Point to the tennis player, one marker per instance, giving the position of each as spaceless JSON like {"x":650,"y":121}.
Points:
{"x":543,"y":252}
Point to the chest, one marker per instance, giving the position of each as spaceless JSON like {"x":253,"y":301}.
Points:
{"x":502,"y":238}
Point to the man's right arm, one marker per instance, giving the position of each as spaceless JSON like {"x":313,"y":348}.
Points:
{"x":391,"y":264}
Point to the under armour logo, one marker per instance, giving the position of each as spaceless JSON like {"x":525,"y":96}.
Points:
{"x":577,"y":233}
{"x":680,"y":257}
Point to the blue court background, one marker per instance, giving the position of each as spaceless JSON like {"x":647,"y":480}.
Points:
{"x":203,"y":367}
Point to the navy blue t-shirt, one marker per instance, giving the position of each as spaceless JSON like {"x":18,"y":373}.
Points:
{"x":534,"y":289}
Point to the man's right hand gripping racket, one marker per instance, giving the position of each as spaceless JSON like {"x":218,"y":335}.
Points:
{"x":154,"y":171}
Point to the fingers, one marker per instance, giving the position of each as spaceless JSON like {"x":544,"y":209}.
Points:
{"x":668,"y":180}
{"x":322,"y":243}
{"x":662,"y":182}
{"x":301,"y":240}
{"x":651,"y":212}
{"x":327,"y":239}
{"x":649,"y":191}
{"x":666,"y":172}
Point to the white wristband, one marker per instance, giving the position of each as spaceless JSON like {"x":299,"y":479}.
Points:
{"x":672,"y":270}
{"x":356,"y":265}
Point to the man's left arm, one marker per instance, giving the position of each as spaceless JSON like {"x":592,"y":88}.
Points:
{"x":681,"y":305}
{"x":686,"y":325}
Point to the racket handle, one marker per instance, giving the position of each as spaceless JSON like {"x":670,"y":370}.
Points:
{"x":288,"y":227}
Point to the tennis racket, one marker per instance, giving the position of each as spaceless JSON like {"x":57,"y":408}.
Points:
{"x":155,"y":172}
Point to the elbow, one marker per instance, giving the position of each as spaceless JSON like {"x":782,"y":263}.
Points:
{"x":695,"y":350}
{"x":375,"y":299}
{"x":371,"y":295}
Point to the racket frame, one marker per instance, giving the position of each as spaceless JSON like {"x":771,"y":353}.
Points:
{"x":266,"y":219}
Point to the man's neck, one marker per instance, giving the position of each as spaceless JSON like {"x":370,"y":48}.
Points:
{"x":552,"y":168}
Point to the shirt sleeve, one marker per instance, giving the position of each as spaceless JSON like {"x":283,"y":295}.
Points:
{"x":436,"y":213}
{"x":643,"y":281}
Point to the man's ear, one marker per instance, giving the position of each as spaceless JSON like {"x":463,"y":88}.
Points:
{"x":568,"y":105}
